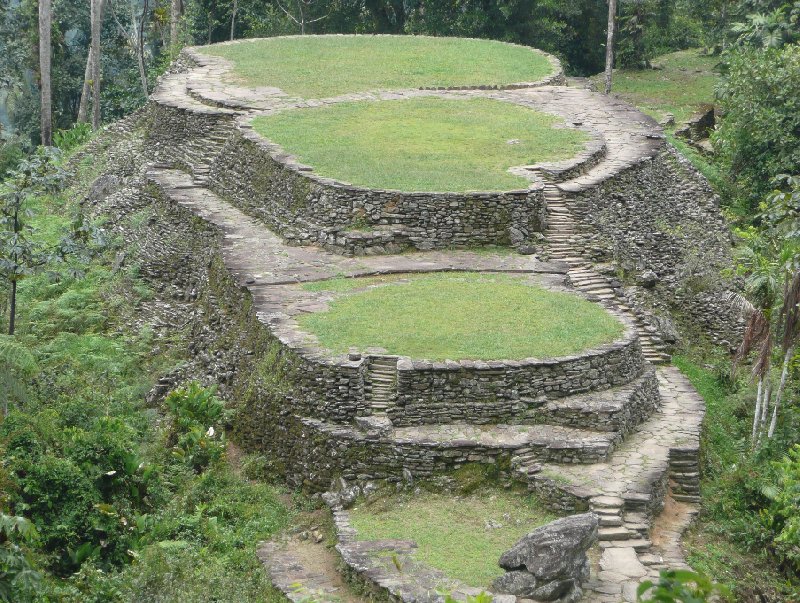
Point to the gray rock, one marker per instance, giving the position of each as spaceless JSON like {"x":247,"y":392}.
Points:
{"x":517,"y":582}
{"x":555,"y":550}
{"x":648,"y":279}
{"x":103,"y":187}
{"x":551,"y":591}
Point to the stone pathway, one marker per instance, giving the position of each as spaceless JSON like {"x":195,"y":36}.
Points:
{"x":305,"y":571}
{"x":626,"y":492}
{"x":260,"y":258}
{"x":563,"y":242}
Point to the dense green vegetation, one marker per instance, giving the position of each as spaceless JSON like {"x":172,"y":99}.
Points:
{"x":743,"y":537}
{"x":322,"y":66}
{"x":424,"y":144}
{"x":464,"y":536}
{"x":464,"y":315}
{"x":128,"y":502}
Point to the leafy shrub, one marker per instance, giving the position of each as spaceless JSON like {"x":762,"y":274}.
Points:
{"x":75,"y":136}
{"x":18,"y":578}
{"x":197,"y":417}
{"x":679,"y":586}
{"x":84,"y":488}
{"x":758,"y":138}
{"x":782,"y":517}
{"x":17,"y":364}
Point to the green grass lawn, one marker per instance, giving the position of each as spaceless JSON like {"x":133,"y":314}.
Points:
{"x":686,"y":81}
{"x":459,"y":316}
{"x":463,"y":537}
{"x":424,"y":144}
{"x":323,"y":66}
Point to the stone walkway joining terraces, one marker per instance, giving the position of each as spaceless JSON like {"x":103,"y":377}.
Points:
{"x":627,"y":487}
{"x":260,"y":258}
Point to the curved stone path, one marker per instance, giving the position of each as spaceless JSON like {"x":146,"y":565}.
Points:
{"x":627,"y":489}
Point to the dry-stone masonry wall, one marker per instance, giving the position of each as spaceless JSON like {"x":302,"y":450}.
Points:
{"x":307,"y":209}
{"x":660,"y":223}
{"x":497,"y":391}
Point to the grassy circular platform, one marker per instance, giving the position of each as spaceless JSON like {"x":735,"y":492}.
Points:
{"x":462,"y":536}
{"x":324,"y":66}
{"x":459,"y":316}
{"x":422,"y":144}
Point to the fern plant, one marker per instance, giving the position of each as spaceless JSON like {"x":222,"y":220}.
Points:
{"x":17,"y":366}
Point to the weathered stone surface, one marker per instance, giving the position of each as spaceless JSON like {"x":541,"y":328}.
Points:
{"x":550,"y":563}
{"x":516,"y":582}
{"x":556,"y":549}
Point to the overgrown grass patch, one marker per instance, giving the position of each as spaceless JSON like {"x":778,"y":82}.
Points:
{"x":324,"y":66}
{"x":422,"y":144}
{"x":463,"y":315}
{"x":684,"y":80}
{"x":461,"y":536}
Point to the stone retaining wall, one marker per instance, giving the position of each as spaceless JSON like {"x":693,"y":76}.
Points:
{"x":498,"y":391}
{"x":306,"y":209}
{"x":660,"y":222}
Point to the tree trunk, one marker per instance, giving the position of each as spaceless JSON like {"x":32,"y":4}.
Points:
{"x":97,"y":27}
{"x":174,"y":23}
{"x":12,"y":321}
{"x":764,"y":409}
{"x":784,"y":374}
{"x":233,"y":17}
{"x":757,"y":413}
{"x":140,"y":47}
{"x":45,"y":54}
{"x":87,"y":77}
{"x":302,"y":17}
{"x":612,"y":14}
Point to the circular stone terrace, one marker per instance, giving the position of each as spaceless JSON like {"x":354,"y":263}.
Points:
{"x":313,"y":246}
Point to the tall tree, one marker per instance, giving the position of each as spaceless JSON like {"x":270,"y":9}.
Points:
{"x":234,"y":10}
{"x":97,"y":28}
{"x":612,"y":14}
{"x":20,"y":253}
{"x":134,"y":34}
{"x":176,"y":9}
{"x":83,"y":107}
{"x":45,"y":54}
{"x":299,"y":13}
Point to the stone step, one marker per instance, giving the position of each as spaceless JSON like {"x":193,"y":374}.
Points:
{"x":619,"y":409}
{"x":637,"y":544}
{"x":610,"y":521}
{"x":614,"y":533}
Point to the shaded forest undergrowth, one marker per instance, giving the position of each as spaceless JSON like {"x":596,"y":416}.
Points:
{"x":130,"y":501}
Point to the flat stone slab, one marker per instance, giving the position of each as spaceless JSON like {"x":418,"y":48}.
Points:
{"x":624,"y":561}
{"x":501,"y":436}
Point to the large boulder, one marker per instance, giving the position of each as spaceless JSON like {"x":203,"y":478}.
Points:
{"x":550,"y":563}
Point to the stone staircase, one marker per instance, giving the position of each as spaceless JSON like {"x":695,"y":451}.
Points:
{"x":381,"y":383}
{"x":563,"y":242}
